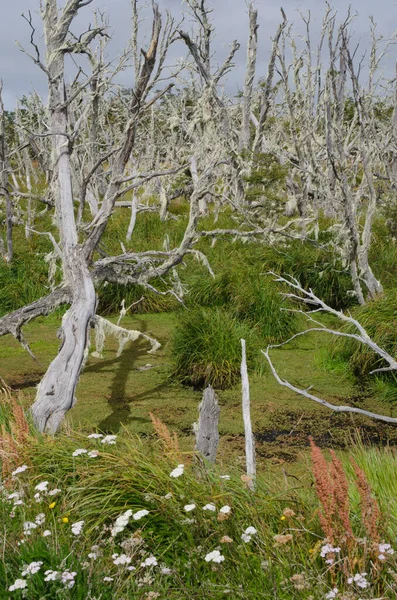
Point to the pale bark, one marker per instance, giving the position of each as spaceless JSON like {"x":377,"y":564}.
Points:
{"x":252,"y":50}
{"x":206,"y":431}
{"x":56,"y":392}
{"x":4,"y":189}
{"x":249,"y":436}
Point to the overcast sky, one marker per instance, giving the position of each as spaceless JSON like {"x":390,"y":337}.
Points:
{"x":20,"y":76}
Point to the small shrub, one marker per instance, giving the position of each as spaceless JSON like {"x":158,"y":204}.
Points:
{"x":207,"y":348}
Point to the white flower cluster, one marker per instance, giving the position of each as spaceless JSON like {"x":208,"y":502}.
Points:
{"x":77,"y":527}
{"x":109,"y":439}
{"x":248,"y":533}
{"x":215,"y":556}
{"x":385,"y":549}
{"x":327,"y":550}
{"x":121,"y":559}
{"x":151,"y":561}
{"x":19,"y":584}
{"x":42,"y":488}
{"x":178,"y":471}
{"x":359,"y":580}
{"x":19,"y":470}
{"x":32,"y":568}
{"x":332,"y":594}
{"x":121,"y":523}
{"x":210,"y":506}
{"x":189,"y":507}
{"x":225,"y":510}
{"x":66,"y":577}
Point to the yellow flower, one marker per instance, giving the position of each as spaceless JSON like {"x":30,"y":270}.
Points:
{"x":65,"y":520}
{"x":283,"y":518}
{"x":311,"y":551}
{"x":51,"y":505}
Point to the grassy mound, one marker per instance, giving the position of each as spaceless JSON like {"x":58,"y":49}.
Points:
{"x":207,"y":348}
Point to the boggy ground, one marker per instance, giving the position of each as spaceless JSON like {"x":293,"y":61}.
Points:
{"x":116,"y":392}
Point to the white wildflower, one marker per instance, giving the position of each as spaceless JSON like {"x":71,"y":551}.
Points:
{"x":67,"y":579}
{"x":42,"y":487}
{"x":13,"y":496}
{"x":328,"y":549}
{"x":19,"y":584}
{"x":18,"y":502}
{"x":383,"y":549}
{"x":38,"y":497}
{"x":332,"y":594}
{"x":28,"y":526}
{"x":168,"y":496}
{"x":40,"y":518}
{"x":210,"y":506}
{"x":121,"y":522}
{"x":151,"y":561}
{"x":131,"y":568}
{"x":79,"y":451}
{"x":359,"y":579}
{"x":93,"y":555}
{"x":178,"y":471}
{"x":123,"y":559}
{"x":225,"y":510}
{"x":214,"y":556}
{"x":189,"y":507}
{"x":46,"y":533}
{"x":246,"y":538}
{"x":93,"y":454}
{"x":108,"y":579}
{"x":109,"y":439}
{"x":226,"y":477}
{"x":54,"y":492}
{"x":51,"y":575}
{"x":166,"y":571}
{"x":250,"y":530}
{"x":95,"y":436}
{"x":141,"y":513}
{"x":77,"y":527}
{"x":32,"y":568}
{"x":19,"y":470}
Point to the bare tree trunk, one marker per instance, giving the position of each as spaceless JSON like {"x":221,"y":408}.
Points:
{"x":249,"y":437}
{"x":207,"y":434}
{"x":4,"y":190}
{"x":252,"y":50}
{"x":56,"y":393}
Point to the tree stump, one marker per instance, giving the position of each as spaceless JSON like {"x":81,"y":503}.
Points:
{"x":207,"y":434}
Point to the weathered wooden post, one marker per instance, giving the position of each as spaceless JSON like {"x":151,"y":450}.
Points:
{"x":249,"y":437}
{"x":207,"y":434}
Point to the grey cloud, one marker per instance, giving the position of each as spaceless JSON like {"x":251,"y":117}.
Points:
{"x":20,"y":75}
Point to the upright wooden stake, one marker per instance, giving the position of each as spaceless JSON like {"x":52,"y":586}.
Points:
{"x":207,"y":434}
{"x":249,"y":438}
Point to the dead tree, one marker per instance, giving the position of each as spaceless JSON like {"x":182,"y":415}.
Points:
{"x":6,"y":250}
{"x":81,"y":270}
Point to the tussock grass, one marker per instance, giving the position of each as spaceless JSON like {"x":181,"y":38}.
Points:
{"x":207,"y":348}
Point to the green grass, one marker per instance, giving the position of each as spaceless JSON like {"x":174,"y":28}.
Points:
{"x":134,"y":474}
{"x":207,"y":350}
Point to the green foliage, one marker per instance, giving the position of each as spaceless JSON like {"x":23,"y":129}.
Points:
{"x":207,"y":348}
